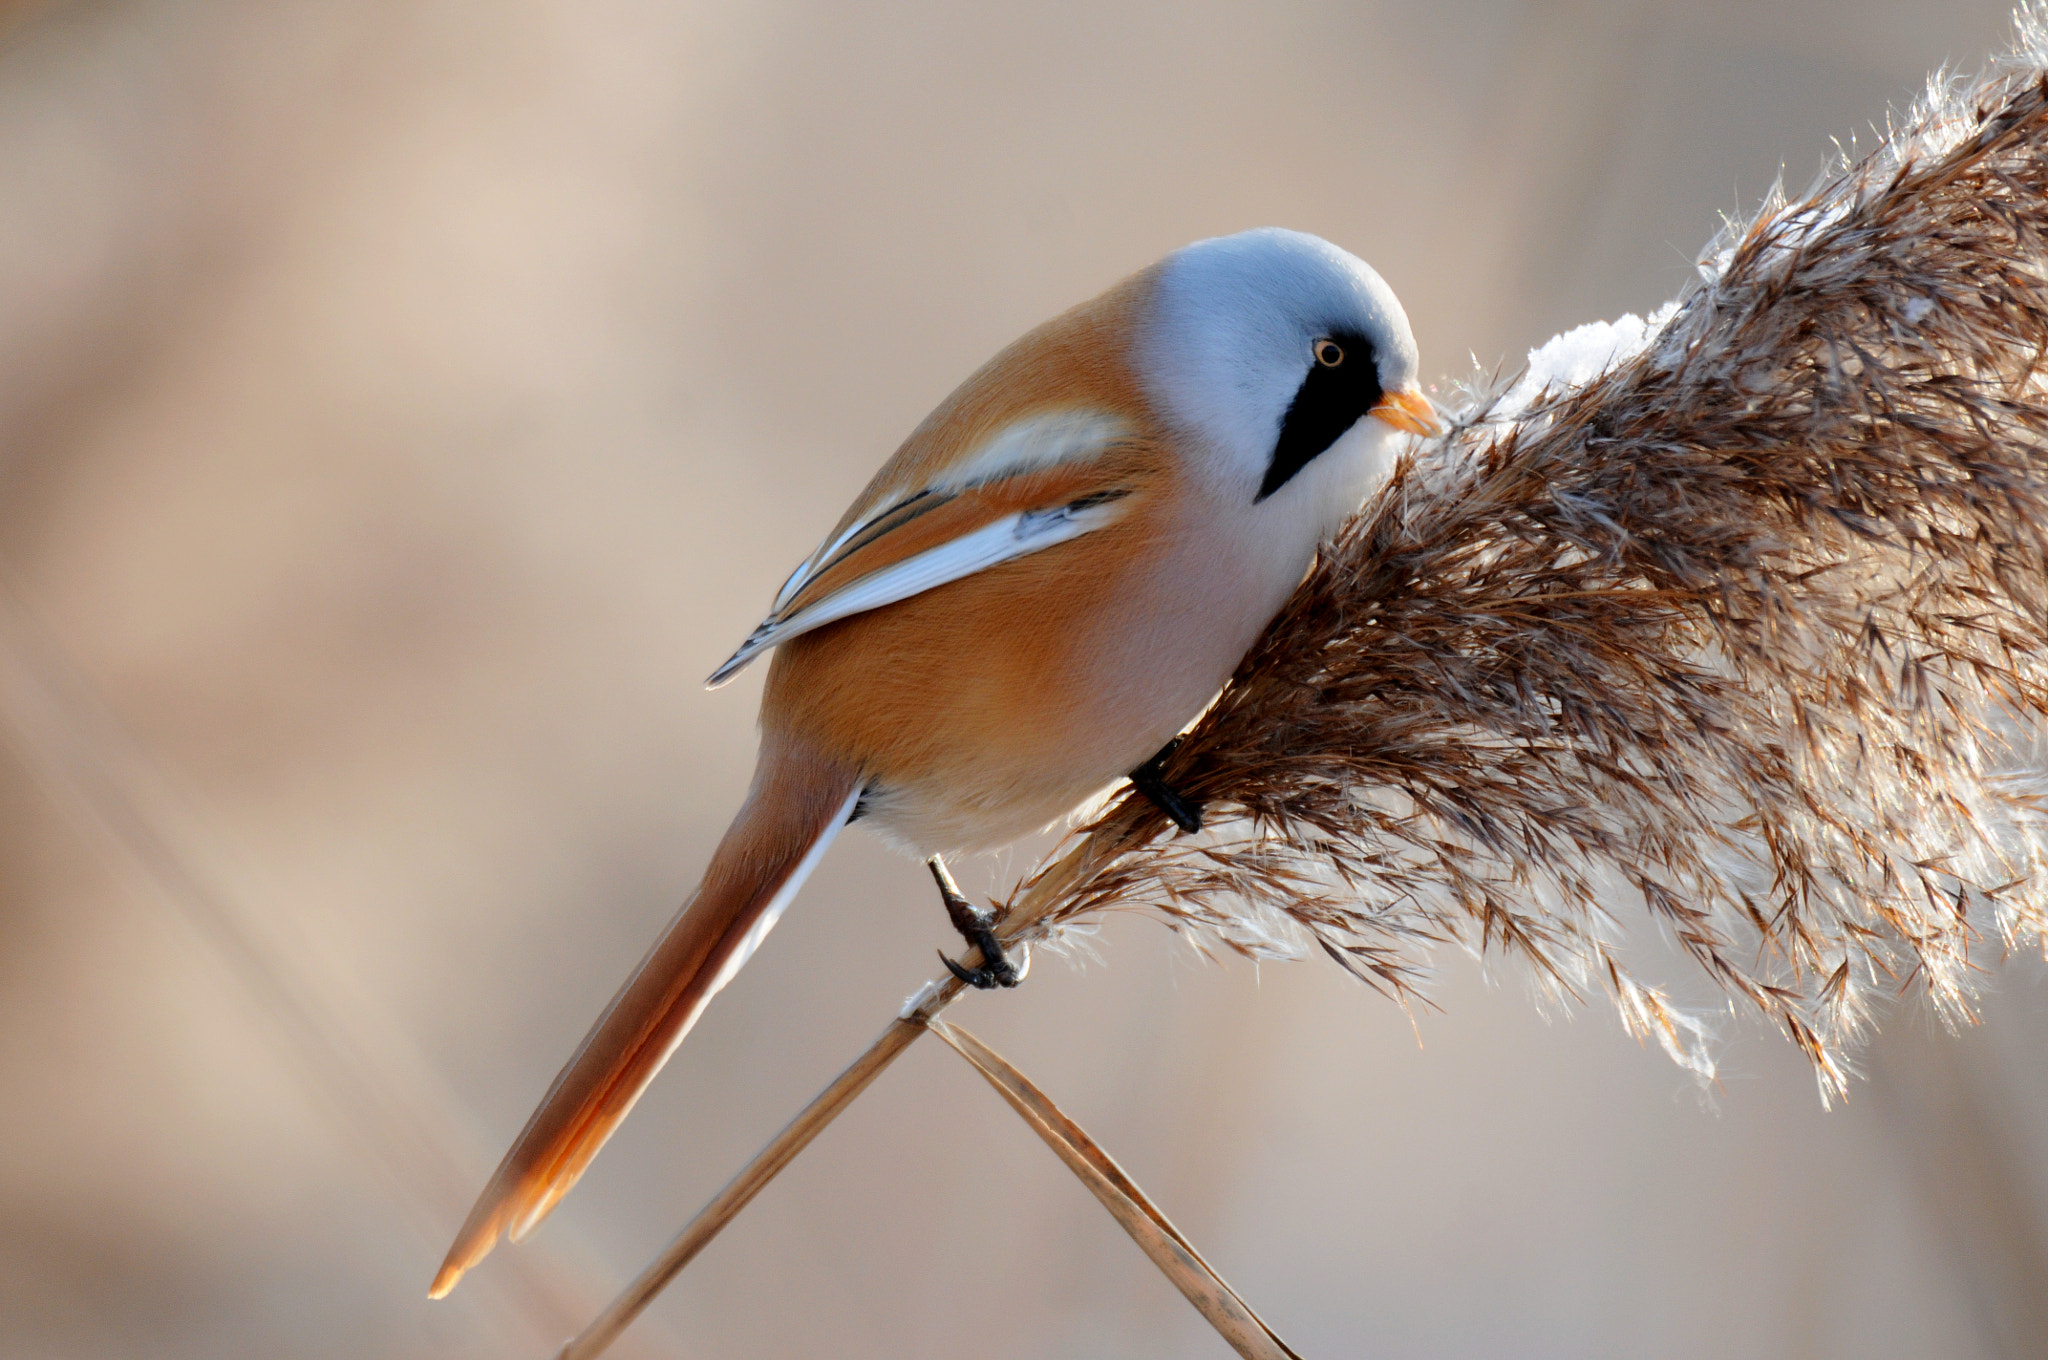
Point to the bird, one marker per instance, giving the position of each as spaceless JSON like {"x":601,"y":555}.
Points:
{"x":1052,"y":577}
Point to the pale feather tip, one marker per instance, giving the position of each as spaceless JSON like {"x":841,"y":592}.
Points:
{"x":445,"y":1281}
{"x":734,"y":664}
{"x":456,"y":1266}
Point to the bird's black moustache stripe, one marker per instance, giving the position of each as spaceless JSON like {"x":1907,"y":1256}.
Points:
{"x":1330,"y":400}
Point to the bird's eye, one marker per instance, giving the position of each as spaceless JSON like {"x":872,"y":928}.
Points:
{"x":1329,"y":353}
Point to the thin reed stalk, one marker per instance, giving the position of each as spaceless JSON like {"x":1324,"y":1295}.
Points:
{"x":1163,"y":1244}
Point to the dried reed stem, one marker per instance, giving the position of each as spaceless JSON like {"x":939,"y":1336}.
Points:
{"x":767,"y":1164}
{"x":1133,"y":1210}
{"x":1024,"y":922}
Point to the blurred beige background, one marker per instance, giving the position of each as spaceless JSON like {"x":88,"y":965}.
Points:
{"x":404,"y":404}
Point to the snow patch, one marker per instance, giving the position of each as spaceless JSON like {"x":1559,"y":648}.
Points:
{"x":1582,"y":354}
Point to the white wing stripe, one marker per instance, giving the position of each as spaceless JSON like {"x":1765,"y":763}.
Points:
{"x":1035,"y":443}
{"x":791,"y":586}
{"x":1027,"y":445}
{"x":804,"y":568}
{"x":1017,"y":535}
{"x":825,"y":558}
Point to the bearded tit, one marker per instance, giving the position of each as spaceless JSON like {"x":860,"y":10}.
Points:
{"x":1052,"y":577}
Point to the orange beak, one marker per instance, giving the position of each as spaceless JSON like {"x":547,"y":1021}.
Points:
{"x":1407,"y":409}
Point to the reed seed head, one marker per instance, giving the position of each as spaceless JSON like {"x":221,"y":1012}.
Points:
{"x":1746,"y":633}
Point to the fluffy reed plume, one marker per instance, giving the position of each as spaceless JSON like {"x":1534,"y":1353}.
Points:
{"x":1744,"y":634}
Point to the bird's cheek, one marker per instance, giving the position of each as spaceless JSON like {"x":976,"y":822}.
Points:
{"x":1353,"y":470}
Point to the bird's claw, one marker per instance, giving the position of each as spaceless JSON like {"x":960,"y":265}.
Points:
{"x":998,"y":972}
{"x":996,"y":968}
{"x":1146,"y":779}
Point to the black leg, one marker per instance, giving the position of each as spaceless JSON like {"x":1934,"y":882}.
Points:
{"x":1147,"y":780}
{"x":996,"y":969}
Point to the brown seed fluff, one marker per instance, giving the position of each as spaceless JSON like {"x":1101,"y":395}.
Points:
{"x":1750,"y":632}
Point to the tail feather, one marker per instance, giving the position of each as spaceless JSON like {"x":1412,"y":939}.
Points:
{"x":796,"y":807}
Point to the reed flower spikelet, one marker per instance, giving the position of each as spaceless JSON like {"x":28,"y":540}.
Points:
{"x":1745,"y":631}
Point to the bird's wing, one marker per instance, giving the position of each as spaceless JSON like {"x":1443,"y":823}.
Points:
{"x":940,"y":533}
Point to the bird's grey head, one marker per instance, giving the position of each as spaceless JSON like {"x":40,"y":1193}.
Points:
{"x":1268,"y":347}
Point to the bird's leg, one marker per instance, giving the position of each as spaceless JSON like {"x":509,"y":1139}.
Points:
{"x":996,"y":969}
{"x":1147,"y":780}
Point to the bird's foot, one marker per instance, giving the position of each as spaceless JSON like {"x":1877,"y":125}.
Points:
{"x":1146,"y":779}
{"x":996,"y":968}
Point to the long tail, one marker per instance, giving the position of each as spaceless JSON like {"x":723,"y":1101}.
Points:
{"x":795,"y":808}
